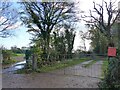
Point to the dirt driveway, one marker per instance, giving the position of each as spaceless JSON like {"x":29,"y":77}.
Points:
{"x":66,"y":78}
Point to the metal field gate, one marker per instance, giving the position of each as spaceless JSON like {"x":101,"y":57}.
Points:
{"x":91,"y":67}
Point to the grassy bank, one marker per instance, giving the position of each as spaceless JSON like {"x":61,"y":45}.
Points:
{"x":56,"y":66}
{"x":104,"y":67}
{"x":90,"y":64}
{"x":62,"y":65}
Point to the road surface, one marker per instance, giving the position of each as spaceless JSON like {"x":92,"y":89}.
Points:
{"x":73,"y":77}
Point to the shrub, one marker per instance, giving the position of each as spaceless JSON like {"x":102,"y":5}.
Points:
{"x":112,"y":77}
{"x":6,"y":54}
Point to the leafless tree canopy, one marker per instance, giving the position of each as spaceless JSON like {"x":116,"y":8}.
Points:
{"x":103,"y":17}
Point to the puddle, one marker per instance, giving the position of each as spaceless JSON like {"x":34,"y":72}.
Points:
{"x":14,"y":67}
{"x":19,"y":63}
{"x":18,"y":67}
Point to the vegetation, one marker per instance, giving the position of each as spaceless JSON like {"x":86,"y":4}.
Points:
{"x":99,"y":41}
{"x":90,"y":64}
{"x":99,"y":22}
{"x":9,"y":57}
{"x":105,"y":27}
{"x":17,"y":50}
{"x":112,"y":76}
{"x":8,"y":62}
{"x":53,"y":30}
{"x":63,"y":42}
{"x":15,"y":54}
{"x":45,"y":16}
{"x":104,"y":67}
{"x":54,"y":36}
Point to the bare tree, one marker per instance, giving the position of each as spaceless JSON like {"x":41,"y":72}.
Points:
{"x":8,"y":19}
{"x":103,"y":17}
{"x":104,"y":24}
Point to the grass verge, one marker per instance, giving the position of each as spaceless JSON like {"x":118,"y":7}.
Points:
{"x":90,"y":64}
{"x":104,"y":67}
{"x":56,"y":66}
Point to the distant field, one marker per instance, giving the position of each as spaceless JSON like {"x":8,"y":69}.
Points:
{"x":18,"y":57}
{"x":18,"y":54}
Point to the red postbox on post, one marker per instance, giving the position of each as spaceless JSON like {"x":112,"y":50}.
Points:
{"x":111,"y":51}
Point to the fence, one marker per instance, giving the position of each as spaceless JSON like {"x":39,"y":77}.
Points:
{"x":62,"y":57}
{"x":90,"y":66}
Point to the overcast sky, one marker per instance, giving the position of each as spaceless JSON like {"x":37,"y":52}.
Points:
{"x":21,"y":37}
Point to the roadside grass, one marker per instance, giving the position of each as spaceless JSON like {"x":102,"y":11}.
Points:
{"x":61,"y":65}
{"x":104,"y":67}
{"x":55,"y":66}
{"x":90,"y":64}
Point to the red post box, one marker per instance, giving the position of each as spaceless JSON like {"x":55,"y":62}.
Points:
{"x":112,"y":51}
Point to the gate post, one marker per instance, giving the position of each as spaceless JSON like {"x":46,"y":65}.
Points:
{"x":1,"y":56}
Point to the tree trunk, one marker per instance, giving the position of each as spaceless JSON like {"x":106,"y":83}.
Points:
{"x":34,"y":62}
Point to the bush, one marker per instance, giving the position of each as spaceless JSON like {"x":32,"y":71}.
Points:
{"x":112,"y":77}
{"x":8,"y":62}
{"x":7,"y":54}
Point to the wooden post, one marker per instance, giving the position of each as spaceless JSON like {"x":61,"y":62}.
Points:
{"x":1,"y":57}
{"x":27,"y":58}
{"x":34,"y":62}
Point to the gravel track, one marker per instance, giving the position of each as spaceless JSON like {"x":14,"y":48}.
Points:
{"x":71,"y":77}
